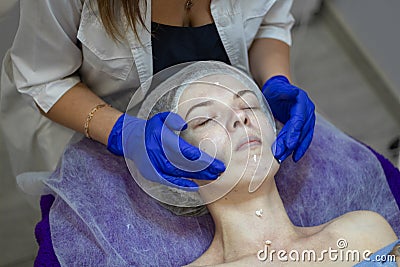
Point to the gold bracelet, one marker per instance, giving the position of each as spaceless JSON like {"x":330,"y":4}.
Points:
{"x":90,"y":116}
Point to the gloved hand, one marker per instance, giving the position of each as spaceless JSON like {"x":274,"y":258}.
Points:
{"x":152,"y":146}
{"x":291,"y":106}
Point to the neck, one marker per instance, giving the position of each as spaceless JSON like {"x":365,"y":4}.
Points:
{"x":240,"y":232}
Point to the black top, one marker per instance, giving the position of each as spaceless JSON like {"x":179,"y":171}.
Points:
{"x":173,"y":45}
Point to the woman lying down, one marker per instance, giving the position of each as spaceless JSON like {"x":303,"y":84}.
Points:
{"x":227,"y":118}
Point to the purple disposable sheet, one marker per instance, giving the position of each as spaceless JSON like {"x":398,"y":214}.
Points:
{"x":100,"y":217}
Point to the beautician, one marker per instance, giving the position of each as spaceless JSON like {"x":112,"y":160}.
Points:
{"x":74,"y":66}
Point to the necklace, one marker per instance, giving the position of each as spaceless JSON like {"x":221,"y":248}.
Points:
{"x":188,"y":5}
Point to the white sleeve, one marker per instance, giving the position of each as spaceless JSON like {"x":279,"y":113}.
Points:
{"x":45,"y":55}
{"x":278,"y":22}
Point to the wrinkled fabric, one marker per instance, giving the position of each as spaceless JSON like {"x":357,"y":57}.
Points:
{"x":341,"y":174}
{"x":392,"y":175}
{"x":100,"y":217}
{"x":113,"y":222}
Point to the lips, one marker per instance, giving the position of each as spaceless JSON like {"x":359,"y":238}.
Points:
{"x":248,"y":141}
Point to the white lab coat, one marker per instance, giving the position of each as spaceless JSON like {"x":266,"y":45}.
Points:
{"x":60,"y":43}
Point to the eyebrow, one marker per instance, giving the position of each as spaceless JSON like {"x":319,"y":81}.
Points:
{"x":202,"y":104}
{"x":209,"y":102}
{"x":242,"y":92}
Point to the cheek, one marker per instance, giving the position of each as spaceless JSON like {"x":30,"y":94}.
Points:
{"x":217,"y":144}
{"x":267,"y":131}
{"x":214,"y":142}
{"x":268,"y":137}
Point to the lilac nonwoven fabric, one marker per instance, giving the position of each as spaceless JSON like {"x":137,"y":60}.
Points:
{"x":100,"y":217}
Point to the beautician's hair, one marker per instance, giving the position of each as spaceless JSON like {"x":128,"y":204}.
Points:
{"x":109,"y":11}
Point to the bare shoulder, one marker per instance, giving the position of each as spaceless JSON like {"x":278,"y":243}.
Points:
{"x":363,"y":229}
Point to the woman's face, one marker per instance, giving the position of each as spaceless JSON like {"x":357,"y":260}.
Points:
{"x":228,"y":124}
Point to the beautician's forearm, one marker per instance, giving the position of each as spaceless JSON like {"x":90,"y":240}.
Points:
{"x":267,"y":58}
{"x":72,"y":108}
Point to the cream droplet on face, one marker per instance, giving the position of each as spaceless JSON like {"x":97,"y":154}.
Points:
{"x":259,"y":213}
{"x":255,"y":158}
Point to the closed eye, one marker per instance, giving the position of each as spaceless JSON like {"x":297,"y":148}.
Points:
{"x":252,"y":108}
{"x":204,"y":122}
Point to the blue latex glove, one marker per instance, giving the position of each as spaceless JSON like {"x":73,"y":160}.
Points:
{"x":152,"y":146}
{"x":291,"y":106}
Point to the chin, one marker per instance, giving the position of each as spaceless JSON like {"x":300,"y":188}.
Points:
{"x":240,"y":178}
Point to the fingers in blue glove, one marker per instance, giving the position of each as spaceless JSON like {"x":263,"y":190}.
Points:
{"x":173,"y":121}
{"x":299,"y":115}
{"x":279,"y":145}
{"x":284,"y":145}
{"x":292,"y":106}
{"x":170,"y":169}
{"x":183,"y":159}
{"x":305,"y":141}
{"x":295,"y":138}
{"x":285,"y":155}
{"x":151,"y":173}
{"x":181,"y":182}
{"x":294,"y":129}
{"x":279,"y":150}
{"x":201,"y":158}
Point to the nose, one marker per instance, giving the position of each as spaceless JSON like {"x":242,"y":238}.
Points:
{"x":240,"y":118}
